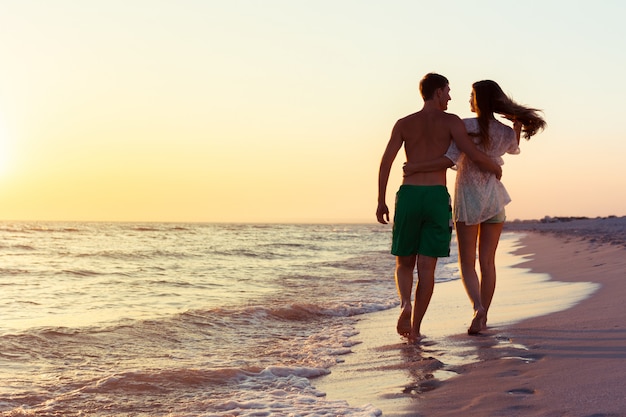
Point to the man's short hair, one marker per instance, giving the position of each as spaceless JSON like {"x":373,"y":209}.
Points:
{"x":430,"y":83}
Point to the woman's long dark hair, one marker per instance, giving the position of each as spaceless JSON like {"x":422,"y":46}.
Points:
{"x":490,"y":99}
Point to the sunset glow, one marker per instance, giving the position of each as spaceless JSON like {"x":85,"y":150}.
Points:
{"x":5,"y":148}
{"x":279,"y":111}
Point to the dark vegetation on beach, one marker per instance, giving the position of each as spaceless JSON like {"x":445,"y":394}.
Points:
{"x":610,"y":229}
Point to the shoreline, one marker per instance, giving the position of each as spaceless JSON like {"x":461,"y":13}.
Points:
{"x":563,"y":363}
{"x":611,"y":230}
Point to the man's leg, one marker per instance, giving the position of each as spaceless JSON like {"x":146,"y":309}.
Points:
{"x":424,"y":291}
{"x":405,"y":265}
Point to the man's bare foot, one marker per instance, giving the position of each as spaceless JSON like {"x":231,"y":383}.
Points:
{"x":478,"y":322}
{"x":404,"y":323}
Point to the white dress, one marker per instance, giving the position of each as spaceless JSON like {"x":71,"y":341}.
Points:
{"x":479,"y":195}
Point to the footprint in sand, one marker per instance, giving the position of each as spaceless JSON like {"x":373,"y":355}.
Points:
{"x":527,"y":358}
{"x":521,"y":391}
{"x":603,"y":415}
{"x":422,"y":387}
{"x":512,"y":372}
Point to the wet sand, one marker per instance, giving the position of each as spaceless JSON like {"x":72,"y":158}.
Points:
{"x":533,"y":360}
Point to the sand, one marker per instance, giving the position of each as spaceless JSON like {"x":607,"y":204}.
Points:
{"x":599,"y":230}
{"x":566,"y":363}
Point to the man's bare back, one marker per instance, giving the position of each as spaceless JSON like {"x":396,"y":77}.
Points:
{"x":426,"y":136}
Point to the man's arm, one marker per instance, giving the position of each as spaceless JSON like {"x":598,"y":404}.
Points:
{"x":517,"y":126}
{"x":463,"y":142}
{"x":393,"y":146}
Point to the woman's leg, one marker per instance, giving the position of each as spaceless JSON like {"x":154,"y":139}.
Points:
{"x":488,"y":239}
{"x":466,"y":238}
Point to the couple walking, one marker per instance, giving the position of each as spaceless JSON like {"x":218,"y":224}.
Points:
{"x":434,"y":141}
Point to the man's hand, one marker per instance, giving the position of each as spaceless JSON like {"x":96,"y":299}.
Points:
{"x":382,"y":213}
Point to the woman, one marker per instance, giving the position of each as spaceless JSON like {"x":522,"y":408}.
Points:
{"x":480,"y":197}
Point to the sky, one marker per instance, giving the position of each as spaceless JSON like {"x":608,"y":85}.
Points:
{"x":280,"y":110}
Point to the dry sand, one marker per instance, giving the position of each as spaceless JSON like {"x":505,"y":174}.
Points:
{"x":599,"y":230}
{"x":571,"y":363}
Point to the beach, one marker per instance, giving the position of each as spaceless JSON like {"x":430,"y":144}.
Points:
{"x":565,"y":363}
{"x":196,"y":320}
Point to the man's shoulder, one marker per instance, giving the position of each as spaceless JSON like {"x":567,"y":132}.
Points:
{"x":420,"y":117}
{"x":425,"y":114}
{"x":410,"y":117}
{"x":452,"y":117}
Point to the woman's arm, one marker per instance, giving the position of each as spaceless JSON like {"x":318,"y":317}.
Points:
{"x":442,"y":162}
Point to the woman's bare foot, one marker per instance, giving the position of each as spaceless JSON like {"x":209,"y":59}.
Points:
{"x":414,"y":337}
{"x":404,"y":322}
{"x":478,"y":322}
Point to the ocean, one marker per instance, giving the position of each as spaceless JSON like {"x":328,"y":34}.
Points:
{"x":172,"y":319}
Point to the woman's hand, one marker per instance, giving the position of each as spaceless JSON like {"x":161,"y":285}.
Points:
{"x":517,"y":126}
{"x":409,"y":168}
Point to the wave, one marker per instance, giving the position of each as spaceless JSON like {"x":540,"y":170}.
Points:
{"x":238,"y":320}
{"x":180,"y":378}
{"x":134,"y":255}
{"x":78,"y":227}
{"x":274,"y":390}
{"x":20,"y":247}
{"x":26,"y":228}
{"x":176,"y":361}
{"x":81,"y":272}
{"x":13,"y":271}
{"x":167,"y":379}
{"x":160,"y":227}
{"x":302,"y":311}
{"x":264,"y":254}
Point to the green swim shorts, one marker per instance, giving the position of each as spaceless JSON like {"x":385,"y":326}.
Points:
{"x":422,"y":222}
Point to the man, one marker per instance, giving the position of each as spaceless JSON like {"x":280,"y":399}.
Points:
{"x":423,"y":221}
